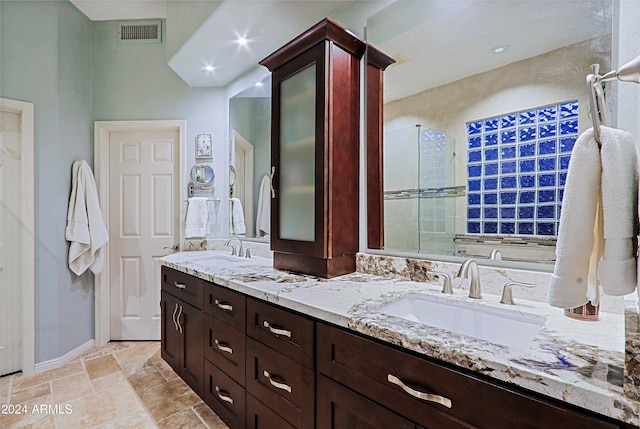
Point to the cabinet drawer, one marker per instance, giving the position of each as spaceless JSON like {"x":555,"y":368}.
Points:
{"x":282,"y":384}
{"x":224,"y":346}
{"x":341,"y":408}
{"x":367,"y":366}
{"x":281,"y":330}
{"x":183,"y":286}
{"x":259,"y":416}
{"x":225,"y":397}
{"x":226,"y":305}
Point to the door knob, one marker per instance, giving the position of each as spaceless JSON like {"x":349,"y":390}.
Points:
{"x":175,"y":247}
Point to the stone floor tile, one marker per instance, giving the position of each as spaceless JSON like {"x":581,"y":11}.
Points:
{"x":102,"y":366}
{"x":168,"y":398}
{"x":210,"y":418}
{"x":72,"y":387}
{"x":186,"y":419}
{"x":27,"y":395}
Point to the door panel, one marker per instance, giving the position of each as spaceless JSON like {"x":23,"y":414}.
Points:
{"x":170,"y":345}
{"x":143,"y":223}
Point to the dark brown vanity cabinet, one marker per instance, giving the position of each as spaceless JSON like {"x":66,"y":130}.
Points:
{"x":181,"y":326}
{"x":262,"y":366}
{"x":315,"y":151}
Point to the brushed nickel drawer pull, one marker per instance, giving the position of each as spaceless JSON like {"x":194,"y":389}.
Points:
{"x":277,"y":331}
{"x":276,"y":384}
{"x":420,"y":395}
{"x":174,"y":316}
{"x":178,"y":319}
{"x":223,"y":396}
{"x":223,"y":305}
{"x":223,"y":347}
{"x":180,"y":286}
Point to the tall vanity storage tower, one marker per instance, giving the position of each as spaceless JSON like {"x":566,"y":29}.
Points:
{"x":315,"y":151}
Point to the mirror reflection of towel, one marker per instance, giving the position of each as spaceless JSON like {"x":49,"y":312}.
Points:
{"x":263,"y":218}
{"x":197,"y":218}
{"x":237,"y":217}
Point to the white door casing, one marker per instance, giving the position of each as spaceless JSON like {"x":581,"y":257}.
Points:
{"x":17,"y":244}
{"x":242,"y":160}
{"x":140,"y":202}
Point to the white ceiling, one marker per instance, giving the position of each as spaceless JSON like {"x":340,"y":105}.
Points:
{"x":440,"y":40}
{"x":266,"y":24}
{"x":444,"y":41}
{"x":108,"y":10}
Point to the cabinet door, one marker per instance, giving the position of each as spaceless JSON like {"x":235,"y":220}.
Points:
{"x":183,"y":286}
{"x":224,"y":396}
{"x":341,"y":408}
{"x":191,"y":361}
{"x":259,"y":416}
{"x":224,"y":347}
{"x":282,"y":330}
{"x":297,"y":221}
{"x":281,"y":383}
{"x":170,"y":334}
{"x":391,"y":377}
{"x":225,"y":304}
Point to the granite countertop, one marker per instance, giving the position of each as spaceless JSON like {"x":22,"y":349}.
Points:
{"x":579,"y":362}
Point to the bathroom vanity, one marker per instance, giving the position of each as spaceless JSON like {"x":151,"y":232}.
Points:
{"x":292,"y":351}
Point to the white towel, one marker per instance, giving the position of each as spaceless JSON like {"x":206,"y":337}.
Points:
{"x":606,"y":178}
{"x":618,"y":266}
{"x":85,"y":225}
{"x":237,"y":217}
{"x":263,"y":218}
{"x":197,"y":218}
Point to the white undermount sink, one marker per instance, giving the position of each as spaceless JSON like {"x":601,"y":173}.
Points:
{"x":507,"y":327}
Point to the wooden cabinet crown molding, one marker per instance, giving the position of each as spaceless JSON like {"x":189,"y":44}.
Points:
{"x":326,"y":29}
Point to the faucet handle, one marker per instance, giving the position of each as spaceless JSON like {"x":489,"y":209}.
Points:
{"x":507,"y":294}
{"x":446,"y":285}
{"x":249,"y":251}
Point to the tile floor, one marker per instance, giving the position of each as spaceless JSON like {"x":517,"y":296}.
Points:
{"x":122,"y":385}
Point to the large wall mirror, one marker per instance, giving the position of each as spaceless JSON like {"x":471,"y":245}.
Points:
{"x":250,"y":161}
{"x":481,"y":110}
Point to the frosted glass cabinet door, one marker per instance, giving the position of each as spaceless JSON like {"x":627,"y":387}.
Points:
{"x":297,"y":156}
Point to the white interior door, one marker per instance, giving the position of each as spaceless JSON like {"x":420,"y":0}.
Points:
{"x":10,"y":227}
{"x":144,"y":224}
{"x":243,"y":189}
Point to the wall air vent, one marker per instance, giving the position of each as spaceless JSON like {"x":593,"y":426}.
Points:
{"x":140,"y":32}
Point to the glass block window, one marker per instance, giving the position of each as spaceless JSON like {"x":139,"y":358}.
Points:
{"x":517,"y":167}
{"x":433,"y":175}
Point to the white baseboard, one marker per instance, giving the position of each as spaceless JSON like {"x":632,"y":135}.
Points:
{"x":58,"y":362}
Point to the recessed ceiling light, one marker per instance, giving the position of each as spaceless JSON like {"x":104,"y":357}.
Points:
{"x":499,"y":49}
{"x":208,"y":68}
{"x":258,"y":84}
{"x":243,"y":41}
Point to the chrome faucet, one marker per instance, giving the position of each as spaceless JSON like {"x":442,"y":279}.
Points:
{"x":495,"y":255}
{"x":234,"y":250}
{"x":475,"y":291}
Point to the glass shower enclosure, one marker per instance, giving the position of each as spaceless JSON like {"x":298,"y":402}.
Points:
{"x":419,"y":191}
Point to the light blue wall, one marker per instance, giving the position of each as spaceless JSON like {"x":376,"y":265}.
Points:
{"x":46,"y":60}
{"x":134,"y":82}
{"x":75,"y":72}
